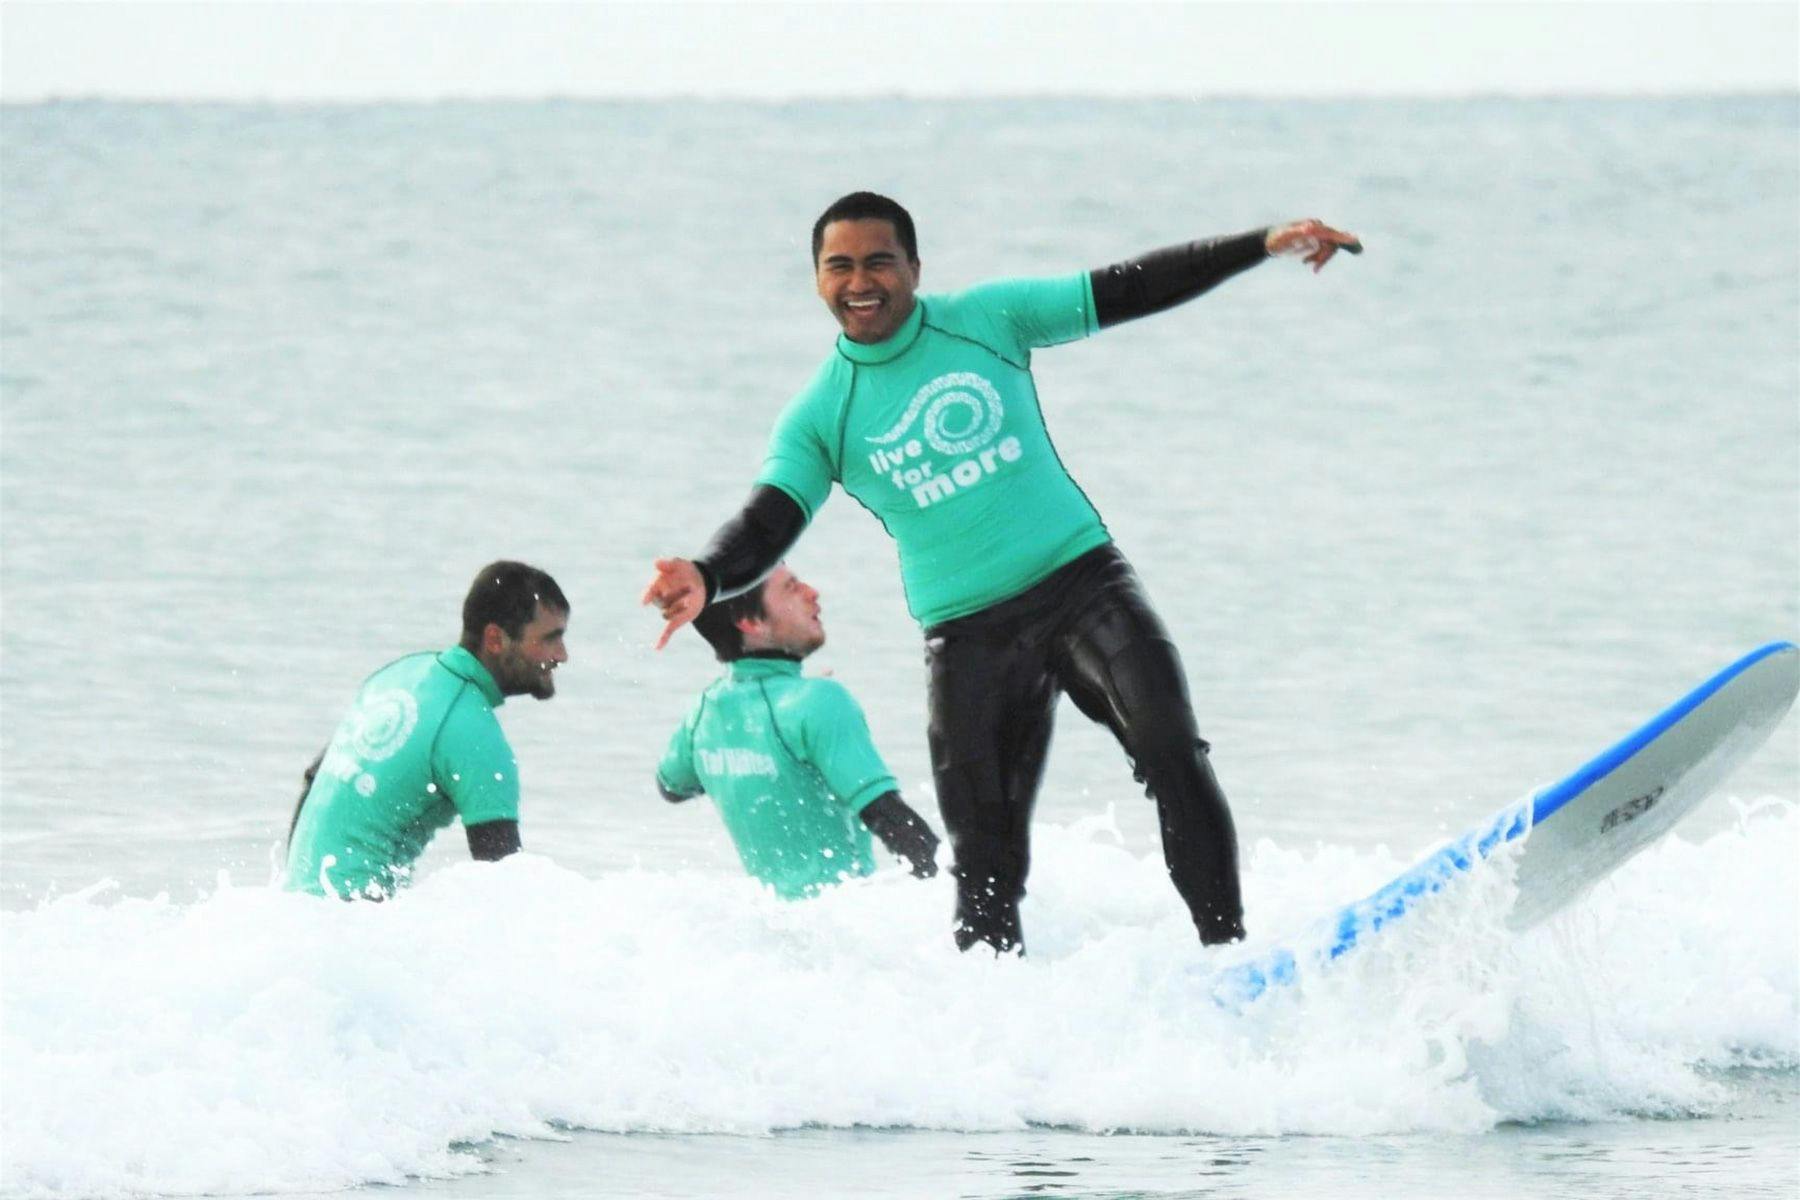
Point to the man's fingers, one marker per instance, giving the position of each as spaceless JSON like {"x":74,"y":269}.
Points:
{"x":662,"y":594}
{"x":675,"y":592}
{"x":1312,"y":241}
{"x":1338,"y":239}
{"x":663,"y":585}
{"x":678,"y":615}
{"x":659,"y":582}
{"x":668,"y":603}
{"x":1329,"y":242}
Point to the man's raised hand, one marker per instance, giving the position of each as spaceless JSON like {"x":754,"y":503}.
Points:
{"x":1311,"y":240}
{"x":678,"y":592}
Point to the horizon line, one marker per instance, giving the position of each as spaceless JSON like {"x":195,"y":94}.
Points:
{"x":376,"y":98}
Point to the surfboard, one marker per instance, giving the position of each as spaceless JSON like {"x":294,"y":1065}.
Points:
{"x":1574,"y":832}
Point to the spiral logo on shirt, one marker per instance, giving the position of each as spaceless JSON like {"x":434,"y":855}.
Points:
{"x":962,"y":413}
{"x":384,"y":721}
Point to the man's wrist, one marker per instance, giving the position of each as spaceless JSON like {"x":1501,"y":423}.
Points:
{"x":709,"y":581}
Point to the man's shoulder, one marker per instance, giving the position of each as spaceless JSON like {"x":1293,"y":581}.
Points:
{"x":830,"y":377}
{"x":977,"y":313}
{"x":823,"y":696}
{"x":985,"y":295}
{"x":942,"y":308}
{"x":720,"y":692}
{"x":467,"y":729}
{"x":462,"y":710}
{"x":791,"y":692}
{"x":408,"y":671}
{"x":820,"y":397}
{"x":1005,"y":291}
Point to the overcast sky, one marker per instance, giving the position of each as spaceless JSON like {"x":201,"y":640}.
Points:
{"x":360,"y":50}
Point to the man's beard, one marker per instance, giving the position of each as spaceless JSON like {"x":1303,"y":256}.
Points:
{"x":527,"y":678}
{"x":803,"y":644}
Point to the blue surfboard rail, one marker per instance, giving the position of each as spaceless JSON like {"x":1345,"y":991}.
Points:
{"x":1604,"y":764}
{"x":1244,"y":982}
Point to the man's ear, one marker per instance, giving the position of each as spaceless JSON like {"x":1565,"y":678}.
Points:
{"x":749,"y":625}
{"x":493,"y":639}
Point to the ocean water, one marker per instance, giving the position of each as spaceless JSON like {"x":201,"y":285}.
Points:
{"x":1431,"y":529}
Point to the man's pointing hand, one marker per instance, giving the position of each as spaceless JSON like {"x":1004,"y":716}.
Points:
{"x":678,"y":592}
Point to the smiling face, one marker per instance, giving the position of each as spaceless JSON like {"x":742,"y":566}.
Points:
{"x":790,"y":622}
{"x":865,"y":278}
{"x":526,"y":665}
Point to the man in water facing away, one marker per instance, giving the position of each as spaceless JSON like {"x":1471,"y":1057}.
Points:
{"x":927,"y":413}
{"x":422,"y":746}
{"x":788,"y":760}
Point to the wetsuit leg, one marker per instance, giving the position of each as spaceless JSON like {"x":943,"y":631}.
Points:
{"x":992,"y":703}
{"x":1117,"y":662}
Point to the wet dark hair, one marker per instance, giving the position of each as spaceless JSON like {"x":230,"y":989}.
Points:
{"x":867,"y":206}
{"x":717,"y":622}
{"x":507,"y":594}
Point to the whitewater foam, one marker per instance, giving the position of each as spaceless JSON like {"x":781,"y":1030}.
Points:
{"x":257,"y":1040}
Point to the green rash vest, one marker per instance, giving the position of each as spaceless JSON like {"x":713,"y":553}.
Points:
{"x":420,"y":746}
{"x":937,"y":431}
{"x":789,"y":763}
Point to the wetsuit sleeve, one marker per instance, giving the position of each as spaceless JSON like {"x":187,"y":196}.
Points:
{"x":904,"y":832}
{"x":834,"y":738}
{"x":1173,"y":275}
{"x":747,"y":547}
{"x":800,"y":458}
{"x":1024,"y":314}
{"x":675,"y":775}
{"x":473,"y":765}
{"x":492,"y":841}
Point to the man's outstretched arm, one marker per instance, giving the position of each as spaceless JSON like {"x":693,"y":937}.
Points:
{"x":904,"y":832}
{"x":1174,"y":275}
{"x":741,"y":553}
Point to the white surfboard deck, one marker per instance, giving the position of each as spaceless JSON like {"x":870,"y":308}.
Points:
{"x":1576,"y":831}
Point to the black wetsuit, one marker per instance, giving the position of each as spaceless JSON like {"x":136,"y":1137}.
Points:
{"x":1086,"y":630}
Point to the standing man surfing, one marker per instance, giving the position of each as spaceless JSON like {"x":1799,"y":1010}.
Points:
{"x":928,"y":414}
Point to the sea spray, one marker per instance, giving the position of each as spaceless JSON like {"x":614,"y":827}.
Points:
{"x":256,"y":1040}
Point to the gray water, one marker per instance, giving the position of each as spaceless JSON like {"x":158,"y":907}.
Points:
{"x":1431,"y":529}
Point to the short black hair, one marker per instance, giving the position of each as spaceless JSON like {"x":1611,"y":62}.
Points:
{"x":507,"y":594}
{"x":867,"y":206}
{"x":717,"y":622}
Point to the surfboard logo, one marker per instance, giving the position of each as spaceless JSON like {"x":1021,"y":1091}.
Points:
{"x":1631,"y":810}
{"x":384,"y":720}
{"x":962,"y":412}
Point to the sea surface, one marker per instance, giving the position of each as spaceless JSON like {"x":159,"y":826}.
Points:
{"x":1431,"y":529}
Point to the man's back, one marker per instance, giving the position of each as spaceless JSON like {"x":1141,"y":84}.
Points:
{"x":790,"y":765}
{"x":419,"y":747}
